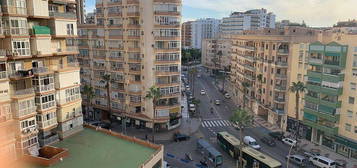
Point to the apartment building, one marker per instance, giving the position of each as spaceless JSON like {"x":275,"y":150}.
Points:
{"x":254,"y":19}
{"x":137,"y":43}
{"x":203,"y":29}
{"x":216,"y":53}
{"x":330,"y":106}
{"x":40,"y":99}
{"x":269,"y":60}
{"x":186,"y":34}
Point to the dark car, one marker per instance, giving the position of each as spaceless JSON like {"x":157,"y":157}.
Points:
{"x":180,"y":137}
{"x":268,"y":140}
{"x":277,"y":135}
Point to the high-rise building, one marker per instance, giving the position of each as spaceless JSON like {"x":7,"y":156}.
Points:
{"x":268,"y":61}
{"x":40,"y":96}
{"x":203,"y":29}
{"x":80,"y":11}
{"x":137,"y":43}
{"x":254,"y":19}
{"x":186,"y":34}
{"x":330,"y":98}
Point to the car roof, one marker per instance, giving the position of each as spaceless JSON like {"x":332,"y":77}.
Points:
{"x":298,"y":156}
{"x":325,"y":158}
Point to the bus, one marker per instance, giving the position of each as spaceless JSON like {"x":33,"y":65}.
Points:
{"x":214,"y":157}
{"x":251,"y":157}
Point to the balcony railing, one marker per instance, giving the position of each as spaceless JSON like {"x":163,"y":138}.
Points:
{"x":23,"y":92}
{"x":279,"y":99}
{"x":48,"y":139}
{"x":280,"y":63}
{"x":25,"y":111}
{"x":48,"y":123}
{"x":280,"y":75}
{"x":70,"y":99}
{"x":44,"y":88}
{"x":38,"y":70}
{"x":16,"y":31}
{"x":71,"y":49}
{"x":328,"y":62}
{"x":314,"y":60}
{"x":44,"y":106}
{"x":21,"y":74}
{"x":15,"y":10}
{"x":283,"y":51}
{"x":67,"y":15}
{"x":3,"y":74}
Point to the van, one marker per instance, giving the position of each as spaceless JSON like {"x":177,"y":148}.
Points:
{"x":322,"y":162}
{"x":298,"y":160}
{"x":251,"y":142}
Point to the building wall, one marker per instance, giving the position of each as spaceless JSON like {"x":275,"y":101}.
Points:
{"x":203,"y":28}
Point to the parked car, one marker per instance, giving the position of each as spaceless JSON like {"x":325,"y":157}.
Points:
{"x":268,"y":140}
{"x":217,"y":102}
{"x":311,"y":154}
{"x":277,"y":135}
{"x":322,"y":162}
{"x":299,"y":160}
{"x":227,"y":96}
{"x":203,"y":92}
{"x":250,"y":141}
{"x":180,"y":137}
{"x":289,"y":141}
{"x":198,"y":76}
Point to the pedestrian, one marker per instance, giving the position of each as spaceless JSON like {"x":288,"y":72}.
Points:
{"x":146,"y":136}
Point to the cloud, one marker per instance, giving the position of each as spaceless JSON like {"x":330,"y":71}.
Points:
{"x":313,"y":12}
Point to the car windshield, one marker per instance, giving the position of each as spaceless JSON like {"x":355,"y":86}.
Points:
{"x":332,"y":163}
{"x":253,"y":143}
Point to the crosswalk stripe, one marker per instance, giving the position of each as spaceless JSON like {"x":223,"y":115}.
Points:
{"x":213,"y":123}
{"x":220,"y":121}
{"x":203,"y":124}
{"x":229,"y":123}
{"x":218,"y":124}
{"x":224,"y":123}
{"x":208,"y":123}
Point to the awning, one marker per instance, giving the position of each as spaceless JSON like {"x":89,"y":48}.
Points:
{"x":347,"y":142}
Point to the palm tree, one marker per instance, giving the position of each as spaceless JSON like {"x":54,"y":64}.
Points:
{"x":297,"y":88}
{"x":88,"y":91}
{"x":108,"y":80}
{"x":245,"y":88}
{"x":242,"y":119}
{"x":154,"y":94}
{"x":192,"y":73}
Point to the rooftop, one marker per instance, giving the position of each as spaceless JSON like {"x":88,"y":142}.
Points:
{"x":90,"y":148}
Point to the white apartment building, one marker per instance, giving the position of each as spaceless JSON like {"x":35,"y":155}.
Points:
{"x":203,"y":29}
{"x":254,"y":19}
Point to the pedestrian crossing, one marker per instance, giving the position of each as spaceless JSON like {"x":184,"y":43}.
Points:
{"x":216,"y":123}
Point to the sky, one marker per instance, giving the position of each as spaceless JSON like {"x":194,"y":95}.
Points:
{"x":316,"y":13}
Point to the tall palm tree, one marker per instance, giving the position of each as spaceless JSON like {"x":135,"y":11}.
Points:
{"x":192,"y":73}
{"x":88,"y":91}
{"x":242,"y":119}
{"x":297,"y":88}
{"x":108,"y":80}
{"x":154,"y":94}
{"x":245,"y":88}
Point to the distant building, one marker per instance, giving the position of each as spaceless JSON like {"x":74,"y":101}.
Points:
{"x":186,"y":34}
{"x":202,"y":29}
{"x":216,"y":53}
{"x":284,"y":23}
{"x":349,"y":23}
{"x":254,"y":19}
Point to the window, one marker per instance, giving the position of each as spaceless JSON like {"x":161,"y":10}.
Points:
{"x":21,"y":47}
{"x":348,"y":127}
{"x":349,"y":113}
{"x":70,"y":29}
{"x":351,"y":100}
{"x":299,"y":77}
{"x":355,"y":49}
{"x":353,"y":86}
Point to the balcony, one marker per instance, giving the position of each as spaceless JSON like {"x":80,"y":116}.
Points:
{"x":3,"y":53}
{"x":29,"y":130}
{"x":40,"y":70}
{"x":47,"y":124}
{"x":331,"y":91}
{"x":279,"y":111}
{"x":71,"y":49}
{"x":283,"y":51}
{"x":41,"y":30}
{"x":21,"y":74}
{"x":131,"y":2}
{"x":325,"y":129}
{"x":332,"y":118}
{"x":281,"y":76}
{"x":279,"y":100}
{"x":12,"y":10}
{"x":46,"y":106}
{"x":311,"y":99}
{"x":67,"y":15}
{"x":315,"y":61}
{"x":281,"y":64}
{"x":333,"y":63}
{"x":3,"y":75}
{"x":312,"y":87}
{"x":15,"y":31}
{"x":23,"y":92}
{"x":314,"y":74}
{"x":45,"y":88}
{"x":333,"y":78}
{"x":331,"y":104}
{"x":249,"y":67}
{"x":167,"y":1}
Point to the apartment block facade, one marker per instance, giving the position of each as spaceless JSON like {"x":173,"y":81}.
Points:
{"x":330,"y":106}
{"x":203,"y":29}
{"x":186,"y":34}
{"x":137,"y":43}
{"x":254,"y":19}
{"x":40,"y":97}
{"x":269,"y":60}
{"x":216,"y":53}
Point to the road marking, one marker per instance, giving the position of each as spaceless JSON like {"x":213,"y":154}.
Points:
{"x":203,"y":124}
{"x":208,"y":124}
{"x":209,"y":98}
{"x":220,"y":123}
{"x":213,"y":123}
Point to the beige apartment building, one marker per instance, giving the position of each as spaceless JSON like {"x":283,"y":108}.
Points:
{"x":216,"y":53}
{"x":269,"y":60}
{"x":138,"y":44}
{"x":186,"y":35}
{"x":40,"y":99}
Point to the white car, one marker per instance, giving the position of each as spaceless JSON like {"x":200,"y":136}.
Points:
{"x":217,"y":102}
{"x":227,"y":96}
{"x":321,"y":161}
{"x":251,"y":142}
{"x":192,"y":107}
{"x":203,"y":92}
{"x":198,"y":76}
{"x":289,"y":141}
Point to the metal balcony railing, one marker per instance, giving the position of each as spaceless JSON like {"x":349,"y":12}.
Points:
{"x":68,"y":15}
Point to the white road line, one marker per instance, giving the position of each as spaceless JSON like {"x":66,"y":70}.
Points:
{"x":203,"y":124}
{"x":217,"y":123}
{"x":223,"y":123}
{"x":208,"y":123}
{"x":228,"y":123}
{"x":213,"y":123}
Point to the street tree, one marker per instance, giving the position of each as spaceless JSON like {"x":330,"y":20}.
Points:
{"x":242,"y":119}
{"x":154,"y":94}
{"x":245,"y":86}
{"x":89,"y":93}
{"x":107,"y":80}
{"x":297,"y":88}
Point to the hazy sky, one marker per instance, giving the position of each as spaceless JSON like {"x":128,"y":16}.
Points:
{"x":313,"y":12}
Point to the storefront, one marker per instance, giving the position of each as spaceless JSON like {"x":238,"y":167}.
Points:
{"x":304,"y":131}
{"x":346,"y":147}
